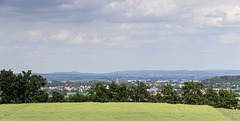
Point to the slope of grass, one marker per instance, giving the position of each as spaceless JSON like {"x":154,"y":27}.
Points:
{"x":231,"y":114}
{"x":108,"y":112}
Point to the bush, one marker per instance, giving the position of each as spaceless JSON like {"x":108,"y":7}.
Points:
{"x":57,"y":97}
{"x":78,"y":98}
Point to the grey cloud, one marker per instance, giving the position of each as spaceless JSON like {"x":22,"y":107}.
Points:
{"x":217,"y":13}
{"x":32,"y":4}
{"x":52,"y":10}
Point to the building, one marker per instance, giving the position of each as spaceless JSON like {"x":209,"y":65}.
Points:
{"x":153,"y":90}
{"x":117,"y":81}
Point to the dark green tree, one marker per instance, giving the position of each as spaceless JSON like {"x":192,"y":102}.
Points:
{"x":114,"y":92}
{"x":122,"y":93}
{"x":132,"y":93}
{"x":170,"y":95}
{"x":8,"y":86}
{"x":22,"y":88}
{"x":212,"y":97}
{"x":77,"y":98}
{"x":159,"y":97}
{"x":227,"y":99}
{"x":139,"y":93}
{"x":142,"y":92}
{"x":192,"y":93}
{"x":99,"y":93}
{"x":57,"y":96}
{"x":153,"y":98}
{"x":30,"y":88}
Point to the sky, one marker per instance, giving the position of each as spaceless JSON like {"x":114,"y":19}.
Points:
{"x":99,"y":36}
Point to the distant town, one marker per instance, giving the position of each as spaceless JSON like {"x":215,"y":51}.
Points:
{"x":69,"y":87}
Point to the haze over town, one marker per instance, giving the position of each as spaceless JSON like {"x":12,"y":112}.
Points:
{"x":105,"y":36}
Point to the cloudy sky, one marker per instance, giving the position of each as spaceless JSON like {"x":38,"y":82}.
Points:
{"x":111,"y":35}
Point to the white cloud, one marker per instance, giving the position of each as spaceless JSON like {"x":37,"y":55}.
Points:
{"x":95,"y":40}
{"x":229,"y":38}
{"x":73,"y":4}
{"x":61,"y":35}
{"x":34,"y":35}
{"x":86,"y":38}
{"x":217,"y":15}
{"x":209,"y":16}
{"x":233,"y":15}
{"x":4,"y":49}
{"x":116,"y":41}
{"x":198,"y":12}
{"x":79,"y":39}
{"x":132,"y":8}
{"x":125,"y":26}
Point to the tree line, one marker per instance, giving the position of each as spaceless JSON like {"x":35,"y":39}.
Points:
{"x":25,"y":88}
{"x":193,"y":93}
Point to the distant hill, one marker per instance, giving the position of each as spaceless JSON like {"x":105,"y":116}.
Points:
{"x":142,"y":75}
{"x":222,"y":82}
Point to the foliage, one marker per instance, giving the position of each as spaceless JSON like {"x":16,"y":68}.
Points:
{"x":21,"y":88}
{"x":57,"y":96}
{"x":99,"y":93}
{"x":212,"y":97}
{"x":142,"y":93}
{"x":192,"y":93}
{"x":227,"y":99}
{"x":119,"y":93}
{"x":170,"y":95}
{"x":78,"y":98}
{"x":139,"y":93}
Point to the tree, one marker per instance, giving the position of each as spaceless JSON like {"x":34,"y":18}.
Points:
{"x":57,"y":96}
{"x":227,"y":99}
{"x":114,"y":92}
{"x":30,"y":90}
{"x":212,"y":97}
{"x":192,"y":92}
{"x":139,"y":93}
{"x":142,"y":92}
{"x":132,"y":93}
{"x":122,"y":93}
{"x":8,"y":87}
{"x":170,"y":95}
{"x":99,"y":93}
{"x":78,"y":98}
{"x":159,"y":97}
{"x":21,"y":88}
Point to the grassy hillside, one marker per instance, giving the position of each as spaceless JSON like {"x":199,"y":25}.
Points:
{"x":108,"y":112}
{"x":231,"y":114}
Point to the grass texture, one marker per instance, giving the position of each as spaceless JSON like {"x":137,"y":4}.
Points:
{"x":110,"y":112}
{"x":234,"y":115}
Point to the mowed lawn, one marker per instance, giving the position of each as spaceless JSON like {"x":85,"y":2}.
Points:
{"x":108,"y":112}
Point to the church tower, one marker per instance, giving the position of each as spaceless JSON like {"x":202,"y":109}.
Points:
{"x":117,"y":81}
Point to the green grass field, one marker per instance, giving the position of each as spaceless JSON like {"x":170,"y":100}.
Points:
{"x":231,"y":114}
{"x":111,"y":112}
